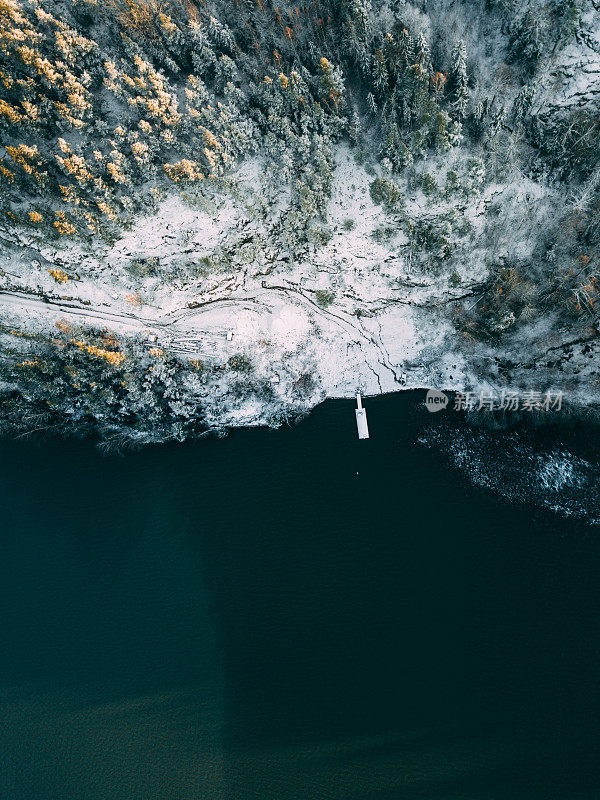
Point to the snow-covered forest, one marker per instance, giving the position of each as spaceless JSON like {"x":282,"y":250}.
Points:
{"x":218,"y":212}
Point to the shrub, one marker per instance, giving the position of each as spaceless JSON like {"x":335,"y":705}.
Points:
{"x":386,"y":193}
{"x":321,"y":235}
{"x":240,"y":363}
{"x":324,"y":297}
{"x":429,"y":184}
{"x":383,"y":233}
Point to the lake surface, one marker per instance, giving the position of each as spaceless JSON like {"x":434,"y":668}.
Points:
{"x":297,"y":614}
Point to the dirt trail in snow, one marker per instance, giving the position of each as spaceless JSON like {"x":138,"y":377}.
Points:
{"x":167,"y":331}
{"x":202,"y":332}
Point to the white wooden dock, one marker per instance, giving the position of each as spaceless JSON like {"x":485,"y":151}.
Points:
{"x":361,"y":419}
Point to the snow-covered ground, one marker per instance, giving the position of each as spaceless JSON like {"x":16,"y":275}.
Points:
{"x":272,"y":310}
{"x":352,"y":313}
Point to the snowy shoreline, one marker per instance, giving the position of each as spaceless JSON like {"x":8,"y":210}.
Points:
{"x":212,"y":282}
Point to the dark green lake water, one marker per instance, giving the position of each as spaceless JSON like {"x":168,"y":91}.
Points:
{"x":298,"y":615}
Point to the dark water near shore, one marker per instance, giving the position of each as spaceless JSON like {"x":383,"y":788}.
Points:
{"x":296,"y":614}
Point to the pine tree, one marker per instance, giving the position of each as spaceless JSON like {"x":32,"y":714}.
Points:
{"x":380,"y":73}
{"x":525,"y":44}
{"x":524,"y":101}
{"x":406,"y":48}
{"x":354,"y":127}
{"x":567,"y":13}
{"x":459,"y":92}
{"x":423,"y":53}
{"x":498,"y":120}
{"x":477,"y":119}
{"x":357,"y":27}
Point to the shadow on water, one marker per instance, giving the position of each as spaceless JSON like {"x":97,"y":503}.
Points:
{"x":293,"y":614}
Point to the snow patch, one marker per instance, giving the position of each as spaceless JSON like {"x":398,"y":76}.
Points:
{"x":175,"y":227}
